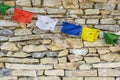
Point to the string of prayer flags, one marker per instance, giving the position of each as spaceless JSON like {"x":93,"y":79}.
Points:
{"x":71,"y":29}
{"x":22,"y":16}
{"x":4,"y":8}
{"x":110,"y":38}
{"x":89,"y":34}
{"x":46,"y":23}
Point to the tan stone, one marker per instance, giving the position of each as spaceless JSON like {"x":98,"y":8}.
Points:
{"x":92,"y":11}
{"x":105,"y":12}
{"x":34,"y":48}
{"x":52,"y":3}
{"x":70,"y":3}
{"x":36,"y":3}
{"x":98,"y":43}
{"x":73,"y":58}
{"x":76,"y":11}
{"x":28,"y":66}
{"x":92,"y":59}
{"x":1,"y":65}
{"x":63,"y":53}
{"x":115,"y":49}
{"x":19,"y":32}
{"x":92,"y":21}
{"x":68,"y":66}
{"x":17,"y":60}
{"x":103,"y":51}
{"x":92,"y":50}
{"x":80,"y":21}
{"x":8,"y":78}
{"x":23,"y":2}
{"x":99,"y":78}
{"x":108,"y":21}
{"x":62,"y":60}
{"x":48,"y":78}
{"x":72,"y":78}
{"x":10,"y":3}
{"x":45,"y":41}
{"x":48,"y":61}
{"x":86,"y":4}
{"x":9,"y":46}
{"x":85,"y":67}
{"x":40,"y":73}
{"x":55,"y":11}
{"x":108,"y":72}
{"x":74,"y":43}
{"x":54,"y":72}
{"x":107,"y":65}
{"x":99,"y":0}
{"x":81,"y":73}
{"x":23,"y":73}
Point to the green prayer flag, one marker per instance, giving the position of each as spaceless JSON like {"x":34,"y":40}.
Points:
{"x":110,"y":38}
{"x":4,"y":8}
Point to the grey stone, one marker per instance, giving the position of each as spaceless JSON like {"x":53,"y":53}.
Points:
{"x":36,"y":30}
{"x":36,"y":3}
{"x":2,"y":54}
{"x":38,"y":55}
{"x":118,"y":42}
{"x":50,"y":36}
{"x":56,"y":11}
{"x":108,"y":21}
{"x":4,"y":72}
{"x":23,"y":2}
{"x":3,"y":38}
{"x":116,"y":13}
{"x":24,"y":78}
{"x":6,"y":32}
{"x":118,"y":7}
{"x":108,"y":27}
{"x":99,"y":5}
{"x":51,"y":54}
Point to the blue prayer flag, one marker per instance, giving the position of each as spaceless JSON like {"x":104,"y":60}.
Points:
{"x":71,"y":29}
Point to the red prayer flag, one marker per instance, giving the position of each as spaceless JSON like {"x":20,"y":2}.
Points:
{"x":22,"y":16}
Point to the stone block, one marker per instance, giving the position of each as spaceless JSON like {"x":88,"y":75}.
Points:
{"x":115,"y":49}
{"x":54,"y":72}
{"x":3,"y":38}
{"x":1,"y":65}
{"x":85,"y":67}
{"x":38,"y":54}
{"x":5,"y":72}
{"x":70,"y":4}
{"x":19,"y":32}
{"x":92,"y":60}
{"x":48,"y":61}
{"x":8,"y":78}
{"x":81,"y":73}
{"x":92,"y":50}
{"x":72,"y":78}
{"x":54,"y":11}
{"x":80,"y":21}
{"x":49,"y":78}
{"x":40,"y":72}
{"x":10,"y":3}
{"x":62,"y":60}
{"x":73,"y":58}
{"x":67,"y":66}
{"x":6,"y":32}
{"x":92,"y":21}
{"x":28,"y":66}
{"x":86,"y":4}
{"x":76,"y":11}
{"x":63,"y":53}
{"x":99,"y":0}
{"x":52,"y":3}
{"x":108,"y":21}
{"x":108,"y":27}
{"x":107,"y":65}
{"x":36,"y":3}
{"x":23,"y":3}
{"x":115,"y":13}
{"x":99,"y":78}
{"x":92,"y":12}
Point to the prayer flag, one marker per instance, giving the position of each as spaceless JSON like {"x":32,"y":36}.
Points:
{"x":22,"y":16}
{"x":89,"y":34}
{"x":46,"y":23}
{"x":110,"y":38}
{"x":4,"y":8}
{"x":71,"y":29}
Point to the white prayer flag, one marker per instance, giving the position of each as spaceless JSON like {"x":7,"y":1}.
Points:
{"x":46,"y":23}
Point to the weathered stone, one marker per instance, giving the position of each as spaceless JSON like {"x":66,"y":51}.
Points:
{"x":107,"y":21}
{"x":3,"y":38}
{"x":103,"y":51}
{"x":95,"y":44}
{"x":6,"y":32}
{"x":40,"y":72}
{"x":82,"y":51}
{"x":108,"y":72}
{"x":19,"y":32}
{"x":53,"y":3}
{"x":110,"y":57}
{"x":18,"y":54}
{"x":38,"y":55}
{"x":70,"y":3}
{"x":63,"y":53}
{"x":24,"y":38}
{"x":9,"y":46}
{"x":99,"y":78}
{"x":36,"y":3}
{"x":118,"y":42}
{"x":34,"y":48}
{"x":76,"y":11}
{"x":81,"y":73}
{"x":51,"y":54}
{"x":48,"y":78}
{"x":17,"y":60}
{"x":73,"y":58}
{"x":99,"y":0}
{"x":23,"y":73}
{"x":50,"y":36}
{"x":105,"y":12}
{"x":23,"y":2}
{"x":62,"y":60}
{"x":80,"y":21}
{"x":46,"y":41}
{"x":5,"y":72}
{"x":86,"y":4}
{"x":9,"y":23}
{"x":92,"y":55}
{"x":115,"y":13}
{"x":92,"y":21}
{"x":8,"y":78}
{"x":24,"y":78}
{"x":48,"y":61}
{"x":92,"y":50}
{"x":72,"y":78}
{"x":36,"y":30}
{"x":35,"y":10}
{"x":1,"y":65}
{"x":91,"y":60}
{"x":92,"y":11}
{"x":115,"y":49}
{"x":118,"y":6}
{"x":74,"y":43}
{"x":55,"y":11}
{"x":68,"y":66}
{"x":54,"y":72}
{"x":107,"y":65}
{"x":28,"y":66}
{"x":85,"y":67}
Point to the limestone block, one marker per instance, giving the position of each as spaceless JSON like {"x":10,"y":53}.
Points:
{"x":99,"y":0}
{"x":10,"y":3}
{"x":76,"y":11}
{"x":1,"y":65}
{"x":48,"y":61}
{"x":23,"y":2}
{"x":54,"y":72}
{"x":8,"y":78}
{"x":115,"y":13}
{"x":108,"y":21}
{"x":52,"y":3}
{"x":72,"y":78}
{"x":86,"y":4}
{"x":92,"y":50}
{"x":92,"y":21}
{"x":36,"y":3}
{"x":3,"y":38}
{"x":91,"y":60}
{"x":19,"y":32}
{"x":62,"y":60}
{"x":115,"y":49}
{"x":80,"y":21}
{"x":73,"y":58}
{"x":63,"y":53}
{"x":99,"y":78}
{"x":92,"y":11}
{"x":49,"y":78}
{"x":6,"y":32}
{"x":85,"y":67}
{"x":40,"y":72}
{"x":54,"y":11}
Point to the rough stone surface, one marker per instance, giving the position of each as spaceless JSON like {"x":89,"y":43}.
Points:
{"x":19,"y":32}
{"x":73,"y":58}
{"x":92,"y":21}
{"x":107,"y":21}
{"x":54,"y":72}
{"x":3,"y":38}
{"x":85,"y":67}
{"x":6,"y":32}
{"x":48,"y":61}
{"x":92,"y":59}
{"x":72,"y":78}
{"x":92,"y":11}
{"x":53,"y":3}
{"x":48,"y":78}
{"x":23,"y":2}
{"x":99,"y":78}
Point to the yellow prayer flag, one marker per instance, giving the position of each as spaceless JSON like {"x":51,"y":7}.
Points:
{"x":89,"y":34}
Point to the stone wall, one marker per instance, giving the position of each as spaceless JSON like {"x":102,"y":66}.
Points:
{"x":33,"y":54}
